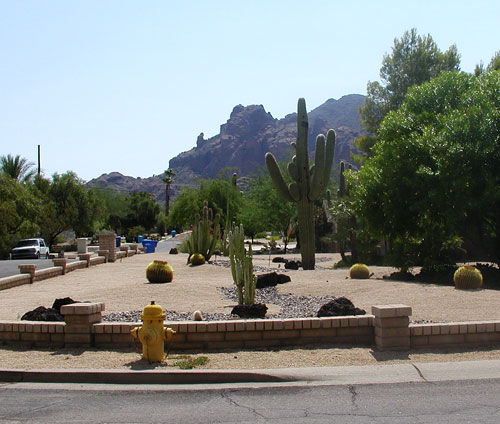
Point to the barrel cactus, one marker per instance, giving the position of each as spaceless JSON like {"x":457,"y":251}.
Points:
{"x":159,"y":272}
{"x":359,"y":271}
{"x":468,"y":277}
{"x":197,"y":259}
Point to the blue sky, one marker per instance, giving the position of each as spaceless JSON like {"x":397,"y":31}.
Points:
{"x":126,"y":85}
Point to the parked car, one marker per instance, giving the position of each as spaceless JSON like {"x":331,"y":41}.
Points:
{"x":30,"y":248}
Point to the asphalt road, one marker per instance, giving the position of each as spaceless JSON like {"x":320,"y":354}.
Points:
{"x":10,"y":267}
{"x":473,"y":401}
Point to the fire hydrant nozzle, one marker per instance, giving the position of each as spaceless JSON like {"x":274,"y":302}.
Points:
{"x":152,"y":333}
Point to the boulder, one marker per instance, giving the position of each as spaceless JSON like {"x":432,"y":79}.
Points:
{"x":280,"y":260}
{"x":61,"y":302}
{"x":256,"y":310}
{"x":42,"y":314}
{"x":339,"y":307}
{"x":293,"y":265}
{"x":271,"y":279}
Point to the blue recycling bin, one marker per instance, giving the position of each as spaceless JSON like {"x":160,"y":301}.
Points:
{"x":149,"y":245}
{"x":173,"y":233}
{"x":118,"y":241}
{"x":139,"y":239}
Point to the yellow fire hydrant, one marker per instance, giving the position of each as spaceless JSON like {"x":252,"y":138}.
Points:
{"x":152,"y":334}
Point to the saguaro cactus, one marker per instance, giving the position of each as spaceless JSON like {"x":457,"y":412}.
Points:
{"x":308,"y":183}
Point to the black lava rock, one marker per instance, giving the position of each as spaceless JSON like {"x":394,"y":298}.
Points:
{"x":293,"y":265}
{"x":271,"y":279}
{"x":341,"y":306}
{"x":173,"y":251}
{"x":257,"y":310}
{"x":61,"y":302}
{"x":42,"y":314}
{"x":280,"y":260}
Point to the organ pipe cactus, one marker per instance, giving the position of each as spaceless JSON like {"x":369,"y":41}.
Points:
{"x":206,"y":231}
{"x":242,"y":266}
{"x":308,"y":182}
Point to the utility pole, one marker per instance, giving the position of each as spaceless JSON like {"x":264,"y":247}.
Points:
{"x":39,"y":168}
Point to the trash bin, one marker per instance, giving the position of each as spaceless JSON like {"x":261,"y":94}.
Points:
{"x":118,"y":241}
{"x":173,"y":233}
{"x":149,"y":245}
{"x":139,"y":239}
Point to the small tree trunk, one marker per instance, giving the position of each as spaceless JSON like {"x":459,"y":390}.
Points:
{"x":167,"y":200}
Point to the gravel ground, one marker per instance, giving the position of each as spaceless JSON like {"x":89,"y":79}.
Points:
{"x":123,"y":288}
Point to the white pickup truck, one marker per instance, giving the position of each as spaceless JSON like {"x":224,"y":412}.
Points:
{"x":30,"y":248}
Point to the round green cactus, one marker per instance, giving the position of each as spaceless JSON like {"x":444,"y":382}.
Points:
{"x":468,"y":277}
{"x":159,"y":272}
{"x":359,"y":271}
{"x":197,"y":259}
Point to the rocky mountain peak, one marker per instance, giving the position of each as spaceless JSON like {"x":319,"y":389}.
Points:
{"x":249,"y":133}
{"x":246,"y":120}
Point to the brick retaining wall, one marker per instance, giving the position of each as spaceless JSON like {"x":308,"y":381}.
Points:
{"x":387,"y":328}
{"x":29,"y":274}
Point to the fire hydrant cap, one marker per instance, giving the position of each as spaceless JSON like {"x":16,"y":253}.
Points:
{"x":153,"y":311}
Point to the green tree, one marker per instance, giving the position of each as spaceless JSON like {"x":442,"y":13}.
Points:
{"x":264,"y":209}
{"x":67,"y":205}
{"x":19,"y":209}
{"x":494,"y":65}
{"x":433,"y":179}
{"x":143,"y":211}
{"x":115,"y":209}
{"x":183,"y":210}
{"x":222,"y":196}
{"x":17,"y":167}
{"x":414,"y":60}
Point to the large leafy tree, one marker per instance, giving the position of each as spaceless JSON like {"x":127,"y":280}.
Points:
{"x":222,"y":196}
{"x":434,"y":177}
{"x":19,"y":209}
{"x":414,"y":59}
{"x":494,"y":65}
{"x":144,"y":211}
{"x":265,"y":210}
{"x":67,"y":205}
{"x":17,"y":167}
{"x":184,"y":209}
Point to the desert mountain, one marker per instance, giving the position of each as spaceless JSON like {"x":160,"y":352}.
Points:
{"x":243,"y":141}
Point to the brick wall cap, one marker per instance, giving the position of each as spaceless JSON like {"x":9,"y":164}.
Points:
{"x":82,"y":308}
{"x":391,"y":311}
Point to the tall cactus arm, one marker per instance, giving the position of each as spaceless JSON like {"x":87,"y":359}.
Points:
{"x":318,"y":168}
{"x":329,"y":153}
{"x":324,"y":159}
{"x":277,"y":178}
{"x":301,"y":144}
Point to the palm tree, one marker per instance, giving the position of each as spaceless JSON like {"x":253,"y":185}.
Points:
{"x":17,"y":167}
{"x":168,"y":179}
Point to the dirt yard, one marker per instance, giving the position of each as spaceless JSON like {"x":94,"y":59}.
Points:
{"x":122,"y":286}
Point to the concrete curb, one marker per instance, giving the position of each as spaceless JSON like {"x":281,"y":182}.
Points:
{"x":342,"y":375}
{"x":137,"y":377}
